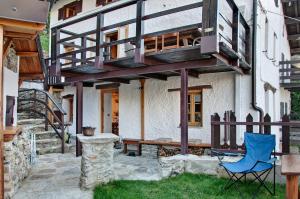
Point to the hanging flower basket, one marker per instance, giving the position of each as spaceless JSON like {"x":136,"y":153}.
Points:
{"x":88,"y":131}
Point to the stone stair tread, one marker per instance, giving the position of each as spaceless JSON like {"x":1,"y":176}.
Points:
{"x":50,"y":140}
{"x":45,"y":132}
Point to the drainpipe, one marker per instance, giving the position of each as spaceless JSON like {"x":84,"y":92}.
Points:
{"x":254,"y":36}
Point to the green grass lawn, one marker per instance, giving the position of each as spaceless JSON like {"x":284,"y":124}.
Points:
{"x":187,"y":186}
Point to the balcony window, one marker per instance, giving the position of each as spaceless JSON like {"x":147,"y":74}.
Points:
{"x":70,"y":10}
{"x":103,"y":2}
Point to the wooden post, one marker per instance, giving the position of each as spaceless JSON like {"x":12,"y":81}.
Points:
{"x":291,"y":187}
{"x":83,"y":54}
{"x":99,"y":41}
{"x":139,"y":41}
{"x":285,"y":135}
{"x":79,"y":115}
{"x":215,"y":132}
{"x":249,"y":127}
{"x":1,"y":114}
{"x":184,"y":111}
{"x":233,"y":144}
{"x":267,"y":128}
{"x":142,"y":81}
{"x":62,"y":133}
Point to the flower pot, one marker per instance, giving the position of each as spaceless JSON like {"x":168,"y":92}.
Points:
{"x":88,"y":131}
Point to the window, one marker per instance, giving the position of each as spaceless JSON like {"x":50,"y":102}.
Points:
{"x":103,"y":2}
{"x":195,"y":108}
{"x":68,"y":102}
{"x":274,"y":47}
{"x":70,"y":10}
{"x":266,"y":35}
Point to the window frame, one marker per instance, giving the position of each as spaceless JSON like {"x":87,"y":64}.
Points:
{"x":75,"y":6}
{"x":191,"y":110}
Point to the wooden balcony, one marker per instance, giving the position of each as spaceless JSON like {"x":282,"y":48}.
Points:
{"x":220,"y":42}
{"x":289,"y":76}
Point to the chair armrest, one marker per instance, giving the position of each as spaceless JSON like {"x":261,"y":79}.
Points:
{"x":271,"y":161}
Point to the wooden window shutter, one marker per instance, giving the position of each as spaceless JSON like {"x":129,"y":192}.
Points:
{"x":78,"y":6}
{"x":61,"y":13}
{"x":100,"y":2}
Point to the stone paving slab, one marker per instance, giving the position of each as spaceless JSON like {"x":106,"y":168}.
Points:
{"x":57,"y":175}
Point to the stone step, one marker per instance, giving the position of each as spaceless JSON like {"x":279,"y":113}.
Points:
{"x":31,"y":122}
{"x":49,"y":149}
{"x":47,"y":142}
{"x":46,"y":135}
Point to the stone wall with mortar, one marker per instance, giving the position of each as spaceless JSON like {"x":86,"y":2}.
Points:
{"x":16,"y":162}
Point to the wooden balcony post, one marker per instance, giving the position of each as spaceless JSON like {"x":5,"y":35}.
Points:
{"x":184,"y":111}
{"x":1,"y":114}
{"x":99,"y":41}
{"x":209,"y":41}
{"x":79,"y":115}
{"x":139,"y":41}
{"x":83,"y":54}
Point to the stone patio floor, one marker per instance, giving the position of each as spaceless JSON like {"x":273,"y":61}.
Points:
{"x":56,"y":176}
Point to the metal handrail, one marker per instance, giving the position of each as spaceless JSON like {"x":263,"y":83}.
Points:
{"x":48,"y":95}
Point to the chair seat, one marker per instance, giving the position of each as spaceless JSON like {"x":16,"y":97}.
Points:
{"x":245,"y":167}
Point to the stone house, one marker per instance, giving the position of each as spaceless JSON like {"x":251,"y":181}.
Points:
{"x":149,"y":45}
{"x":20,"y":59}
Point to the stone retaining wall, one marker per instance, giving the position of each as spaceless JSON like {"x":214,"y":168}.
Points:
{"x":16,"y":162}
{"x":178,"y":164}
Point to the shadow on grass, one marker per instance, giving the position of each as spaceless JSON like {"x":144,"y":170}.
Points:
{"x":186,"y":186}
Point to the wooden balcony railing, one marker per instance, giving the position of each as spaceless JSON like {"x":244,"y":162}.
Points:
{"x":222,"y":30}
{"x":290,"y":77}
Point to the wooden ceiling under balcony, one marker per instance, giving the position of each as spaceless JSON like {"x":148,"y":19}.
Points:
{"x":291,"y":9}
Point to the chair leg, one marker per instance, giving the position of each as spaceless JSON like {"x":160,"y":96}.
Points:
{"x":262,"y":182}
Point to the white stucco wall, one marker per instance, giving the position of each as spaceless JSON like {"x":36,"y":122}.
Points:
{"x":10,"y":88}
{"x":91,"y":107}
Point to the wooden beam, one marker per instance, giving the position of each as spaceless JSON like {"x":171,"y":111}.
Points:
{"x":30,"y":76}
{"x":156,"y":76}
{"x":27,"y":54}
{"x":79,"y":115}
{"x":19,"y":35}
{"x":294,"y":20}
{"x":22,"y":24}
{"x":193,"y":73}
{"x":145,"y":70}
{"x":6,"y":47}
{"x":142,"y":81}
{"x":296,"y":61}
{"x":1,"y":114}
{"x":184,"y":111}
{"x":295,"y":50}
{"x":294,"y":37}
{"x":117,"y":80}
{"x":192,"y":88}
{"x":107,"y":86}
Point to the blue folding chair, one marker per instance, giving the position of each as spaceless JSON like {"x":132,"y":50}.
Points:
{"x":257,"y":161}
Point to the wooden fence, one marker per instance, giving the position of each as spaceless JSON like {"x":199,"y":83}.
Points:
{"x":230,"y":130}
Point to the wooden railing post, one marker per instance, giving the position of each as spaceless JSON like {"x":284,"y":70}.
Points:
{"x":209,"y":41}
{"x":46,"y":113}
{"x":249,"y":126}
{"x":233,"y":144}
{"x":139,"y":40}
{"x":83,"y":54}
{"x":99,"y":41}
{"x":215,"y":132}
{"x":267,"y":128}
{"x":285,"y":135}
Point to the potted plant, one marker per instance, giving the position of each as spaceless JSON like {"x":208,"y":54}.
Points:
{"x":88,"y":130}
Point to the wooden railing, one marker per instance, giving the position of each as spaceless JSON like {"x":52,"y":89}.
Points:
{"x":38,"y":103}
{"x":229,"y":29}
{"x":228,"y":141}
{"x":290,"y":77}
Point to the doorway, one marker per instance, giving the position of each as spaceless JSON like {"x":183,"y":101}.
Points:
{"x":111,"y":52}
{"x":110,"y":111}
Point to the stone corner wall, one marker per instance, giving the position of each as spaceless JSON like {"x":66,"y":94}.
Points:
{"x":16,"y":162}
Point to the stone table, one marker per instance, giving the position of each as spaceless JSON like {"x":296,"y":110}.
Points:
{"x":97,"y":159}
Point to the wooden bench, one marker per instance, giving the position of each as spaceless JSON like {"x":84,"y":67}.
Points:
{"x":175,"y":144}
{"x":136,"y":142}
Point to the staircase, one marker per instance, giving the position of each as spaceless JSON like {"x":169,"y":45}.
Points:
{"x":45,"y":118}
